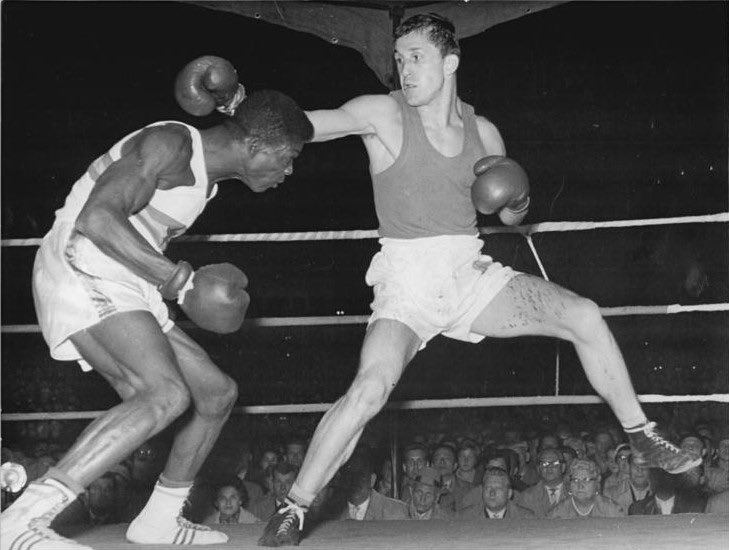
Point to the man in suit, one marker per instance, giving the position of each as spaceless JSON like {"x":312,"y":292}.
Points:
{"x":718,"y":504}
{"x":550,"y":489}
{"x":427,"y":487}
{"x":282,"y":478}
{"x":635,"y":488}
{"x":363,"y":502}
{"x":453,"y":488}
{"x":668,"y":497}
{"x":496,"y":500}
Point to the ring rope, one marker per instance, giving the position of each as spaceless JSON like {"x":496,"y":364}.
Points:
{"x":542,"y":227}
{"x":420,"y":404}
{"x":618,"y":311}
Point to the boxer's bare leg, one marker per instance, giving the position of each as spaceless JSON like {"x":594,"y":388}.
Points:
{"x":387,"y":349}
{"x":530,"y":306}
{"x":130,"y":351}
{"x":213,"y":396}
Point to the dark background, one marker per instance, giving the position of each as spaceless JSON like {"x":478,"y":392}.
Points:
{"x":617,"y":110}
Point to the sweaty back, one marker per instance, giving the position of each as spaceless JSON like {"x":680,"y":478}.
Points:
{"x":424,"y":193}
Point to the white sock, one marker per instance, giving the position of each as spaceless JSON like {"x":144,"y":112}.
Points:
{"x":165,"y":502}
{"x":634,"y":423}
{"x":301,"y":497}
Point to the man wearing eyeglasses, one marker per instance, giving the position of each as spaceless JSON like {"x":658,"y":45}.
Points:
{"x":583,"y":497}
{"x":633,"y":489}
{"x":550,"y":490}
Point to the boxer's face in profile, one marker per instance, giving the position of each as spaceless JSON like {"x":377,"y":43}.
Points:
{"x":420,"y":67}
{"x":267,"y":166}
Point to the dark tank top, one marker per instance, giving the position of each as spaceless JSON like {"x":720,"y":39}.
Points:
{"x":423,"y":193}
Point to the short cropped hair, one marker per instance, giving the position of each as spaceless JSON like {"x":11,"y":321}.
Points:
{"x":496,"y":472}
{"x":237,"y":484}
{"x":271,"y":117}
{"x":469,"y":444}
{"x":440,"y":31}
{"x":415,"y":447}
{"x":283,"y":468}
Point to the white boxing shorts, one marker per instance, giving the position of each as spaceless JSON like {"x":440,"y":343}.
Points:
{"x":75,"y":286}
{"x":435,"y":285}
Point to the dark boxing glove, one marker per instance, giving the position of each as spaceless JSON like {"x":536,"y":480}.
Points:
{"x":208,"y":83}
{"x":501,"y":186}
{"x":213,"y":297}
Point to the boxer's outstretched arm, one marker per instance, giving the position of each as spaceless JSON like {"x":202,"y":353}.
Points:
{"x":157,"y":157}
{"x":357,"y":117}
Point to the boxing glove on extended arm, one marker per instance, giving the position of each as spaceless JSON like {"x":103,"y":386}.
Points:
{"x":501,"y":186}
{"x":213,"y":297}
{"x":209,"y":83}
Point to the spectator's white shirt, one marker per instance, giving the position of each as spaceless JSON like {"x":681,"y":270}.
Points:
{"x":496,"y":515}
{"x":358,"y":512}
{"x":557,"y":493}
{"x":666,"y":506}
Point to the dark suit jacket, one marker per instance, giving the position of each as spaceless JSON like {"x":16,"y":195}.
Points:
{"x":513,"y":511}
{"x":685,"y":503}
{"x":264,"y":507}
{"x":381,"y":508}
{"x":536,"y":499}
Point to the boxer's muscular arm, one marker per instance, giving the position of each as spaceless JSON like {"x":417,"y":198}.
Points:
{"x":490,"y":137}
{"x":158,"y":157}
{"x":360,"y":116}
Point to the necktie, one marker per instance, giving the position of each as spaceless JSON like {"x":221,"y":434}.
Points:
{"x":552,"y":495}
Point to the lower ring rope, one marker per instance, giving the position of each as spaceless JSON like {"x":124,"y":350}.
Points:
{"x":361,"y":319}
{"x":460,"y":403}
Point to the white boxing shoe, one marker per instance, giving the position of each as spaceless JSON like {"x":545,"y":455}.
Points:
{"x":181,"y":531}
{"x":161,"y":521}
{"x":25,"y":524}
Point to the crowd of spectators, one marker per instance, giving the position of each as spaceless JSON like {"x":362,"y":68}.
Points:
{"x":507,"y":463}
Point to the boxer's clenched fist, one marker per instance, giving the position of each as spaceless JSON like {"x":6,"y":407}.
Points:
{"x":208,"y":83}
{"x":213,"y":297}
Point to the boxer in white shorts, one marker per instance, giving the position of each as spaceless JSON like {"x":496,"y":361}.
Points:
{"x":435,"y":285}
{"x":433,"y":164}
{"x":75,"y":286}
{"x":99,"y":280}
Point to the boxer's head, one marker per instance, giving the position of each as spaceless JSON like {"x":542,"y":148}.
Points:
{"x":438,"y":30}
{"x":272,"y":129}
{"x":427,"y":56}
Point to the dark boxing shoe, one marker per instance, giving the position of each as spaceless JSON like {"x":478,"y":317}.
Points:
{"x":652,"y":450}
{"x":285,"y":526}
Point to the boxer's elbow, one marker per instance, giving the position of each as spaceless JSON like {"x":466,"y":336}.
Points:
{"x":96,"y":224}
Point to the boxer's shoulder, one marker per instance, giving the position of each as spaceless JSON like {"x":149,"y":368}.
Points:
{"x":163,"y":147}
{"x":164,"y":140}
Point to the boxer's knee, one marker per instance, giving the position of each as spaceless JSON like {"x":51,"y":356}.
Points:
{"x":582,"y":319}
{"x":217,"y":398}
{"x":167,"y":399}
{"x":368,"y":394}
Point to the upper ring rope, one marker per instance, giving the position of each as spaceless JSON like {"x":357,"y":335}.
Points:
{"x":358,"y":234}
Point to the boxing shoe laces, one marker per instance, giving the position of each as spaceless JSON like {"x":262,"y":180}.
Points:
{"x":284,"y":527}
{"x":26,"y":523}
{"x":654,"y":450}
